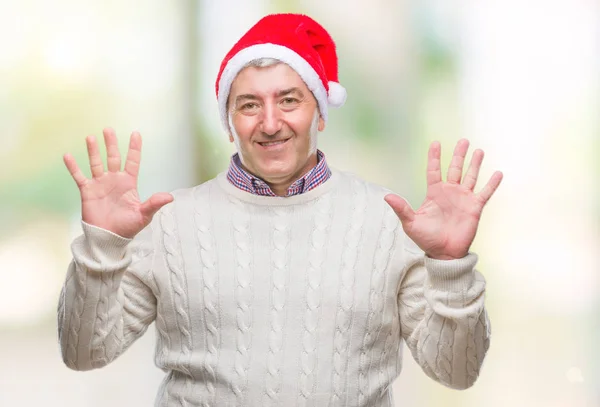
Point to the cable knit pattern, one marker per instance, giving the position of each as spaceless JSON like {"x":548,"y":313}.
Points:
{"x":243,"y":297}
{"x":162,"y":349}
{"x":390,"y":348}
{"x":76,"y":313}
{"x":487,"y":329}
{"x":389,"y":371}
{"x":444,"y":359}
{"x":160,"y":328}
{"x":178,"y":282}
{"x":279,"y":264}
{"x":60,"y":312}
{"x":210,"y":281}
{"x":308,"y":358}
{"x":99,"y":354}
{"x":257,"y":301}
{"x":472,"y":360}
{"x":376,"y":301}
{"x":343,"y":318}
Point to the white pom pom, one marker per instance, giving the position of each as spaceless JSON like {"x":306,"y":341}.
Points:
{"x":337,"y":94}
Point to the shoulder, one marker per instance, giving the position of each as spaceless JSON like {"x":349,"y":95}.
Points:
{"x":352,"y":186}
{"x":351,"y":183}
{"x":185,"y":200}
{"x":182,"y":196}
{"x":365,"y":196}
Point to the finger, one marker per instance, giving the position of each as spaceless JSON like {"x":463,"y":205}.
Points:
{"x":134,"y":155}
{"x":113,"y":157}
{"x":473,"y":172}
{"x":434,"y":174}
{"x":402,"y":209}
{"x":94,"y":154}
{"x":489,"y":189}
{"x":458,"y":159}
{"x":73,"y":168}
{"x":154,"y":203}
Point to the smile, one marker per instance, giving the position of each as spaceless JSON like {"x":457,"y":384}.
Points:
{"x":268,"y":144}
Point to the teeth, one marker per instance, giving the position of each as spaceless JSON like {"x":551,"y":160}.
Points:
{"x":272,"y":143}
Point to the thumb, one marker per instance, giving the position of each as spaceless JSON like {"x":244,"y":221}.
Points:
{"x":154,"y":203}
{"x":401,"y":207}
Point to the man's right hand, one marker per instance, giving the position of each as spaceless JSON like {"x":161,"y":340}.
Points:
{"x":110,"y":199}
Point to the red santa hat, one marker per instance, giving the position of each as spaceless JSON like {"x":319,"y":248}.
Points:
{"x":296,"y":40}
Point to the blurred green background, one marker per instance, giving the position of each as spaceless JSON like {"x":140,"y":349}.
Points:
{"x":521,"y":80}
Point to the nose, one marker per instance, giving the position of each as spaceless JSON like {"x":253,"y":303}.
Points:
{"x":271,"y":119}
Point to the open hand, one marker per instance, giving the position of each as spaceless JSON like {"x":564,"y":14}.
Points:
{"x":446,"y":223}
{"x":110,"y":199}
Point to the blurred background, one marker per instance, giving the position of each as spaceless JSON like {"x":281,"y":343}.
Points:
{"x":519,"y":79}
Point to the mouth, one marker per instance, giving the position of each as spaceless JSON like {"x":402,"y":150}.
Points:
{"x":273,"y":144}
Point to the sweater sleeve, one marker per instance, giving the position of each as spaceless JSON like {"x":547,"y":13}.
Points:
{"x":443,"y":317}
{"x":105,"y":303}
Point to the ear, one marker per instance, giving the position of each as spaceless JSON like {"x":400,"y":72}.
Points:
{"x":230,"y":138}
{"x":321,"y":124}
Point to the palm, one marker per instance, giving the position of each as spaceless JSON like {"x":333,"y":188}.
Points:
{"x":109,"y":199}
{"x":446,"y":223}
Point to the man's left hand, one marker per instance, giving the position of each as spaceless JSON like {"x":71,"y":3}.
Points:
{"x":446,"y":223}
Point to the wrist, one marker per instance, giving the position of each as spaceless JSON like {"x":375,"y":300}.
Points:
{"x":443,"y":256}
{"x":104,"y":247}
{"x":451,"y":276}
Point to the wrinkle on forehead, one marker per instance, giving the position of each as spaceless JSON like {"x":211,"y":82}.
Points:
{"x":264,"y":82}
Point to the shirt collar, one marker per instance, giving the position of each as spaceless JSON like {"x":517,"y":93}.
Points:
{"x":245,"y":181}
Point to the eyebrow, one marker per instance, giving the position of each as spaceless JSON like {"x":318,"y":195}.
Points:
{"x":285,"y":92}
{"x":248,"y":96}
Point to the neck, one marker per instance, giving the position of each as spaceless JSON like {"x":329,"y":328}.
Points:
{"x":280,"y":186}
{"x":262,"y":200}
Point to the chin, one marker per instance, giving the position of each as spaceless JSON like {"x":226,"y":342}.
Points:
{"x":272,"y":173}
{"x":280,"y":165}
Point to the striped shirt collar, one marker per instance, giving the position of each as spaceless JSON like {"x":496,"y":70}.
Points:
{"x":250,"y":183}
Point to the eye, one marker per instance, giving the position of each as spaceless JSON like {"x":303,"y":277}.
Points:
{"x":249,"y":106}
{"x":289,"y":103}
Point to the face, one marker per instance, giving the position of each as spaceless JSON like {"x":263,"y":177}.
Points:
{"x":274,"y":120}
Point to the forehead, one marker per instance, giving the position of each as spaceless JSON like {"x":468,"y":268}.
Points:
{"x":266,"y":81}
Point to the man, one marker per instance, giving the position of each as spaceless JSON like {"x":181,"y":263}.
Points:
{"x":281,"y":281}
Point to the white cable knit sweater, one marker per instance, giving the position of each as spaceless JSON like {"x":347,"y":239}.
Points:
{"x":268,"y":301}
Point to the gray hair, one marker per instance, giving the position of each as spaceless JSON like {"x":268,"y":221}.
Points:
{"x":263,"y":62}
{"x":258,"y":63}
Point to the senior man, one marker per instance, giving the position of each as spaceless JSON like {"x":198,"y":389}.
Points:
{"x":282,"y":281}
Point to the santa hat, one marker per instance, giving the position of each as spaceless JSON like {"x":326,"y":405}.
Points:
{"x":296,"y":40}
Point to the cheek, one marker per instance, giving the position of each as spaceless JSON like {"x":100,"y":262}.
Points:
{"x":244,"y":127}
{"x":298,"y":124}
{"x":304,"y":129}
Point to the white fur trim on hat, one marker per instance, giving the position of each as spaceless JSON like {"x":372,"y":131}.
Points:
{"x":285,"y":55}
{"x":337,"y":94}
